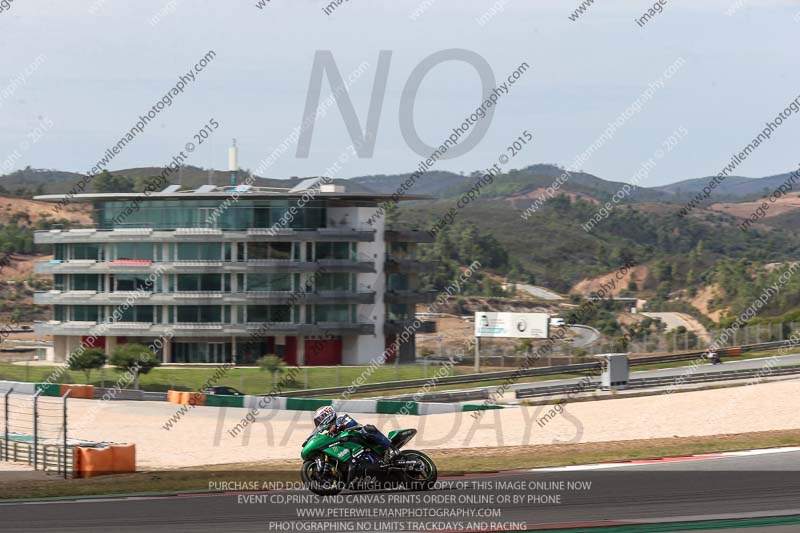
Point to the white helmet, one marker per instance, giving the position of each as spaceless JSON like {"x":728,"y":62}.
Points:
{"x":324,"y":416}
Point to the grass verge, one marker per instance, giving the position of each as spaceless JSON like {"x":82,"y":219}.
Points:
{"x":449,"y":461}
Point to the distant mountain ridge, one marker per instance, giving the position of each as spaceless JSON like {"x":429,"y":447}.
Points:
{"x":439,"y":184}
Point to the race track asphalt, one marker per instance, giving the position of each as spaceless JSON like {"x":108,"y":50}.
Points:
{"x":721,"y":488}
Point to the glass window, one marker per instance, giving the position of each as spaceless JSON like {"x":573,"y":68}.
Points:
{"x":202,"y":352}
{"x":85,"y":282}
{"x":131,"y":282}
{"x":269,"y":250}
{"x":137,"y":313}
{"x":199,"y":251}
{"x":398,"y":282}
{"x":199,"y":282}
{"x":269,"y":282}
{"x":399,"y":312}
{"x":85,"y":251}
{"x":269,"y":313}
{"x":314,"y":217}
{"x":333,"y":250}
{"x":85,"y":313}
{"x":339,"y":281}
{"x":261,"y":217}
{"x":134,"y":250}
{"x":199,"y":313}
{"x":333,"y":313}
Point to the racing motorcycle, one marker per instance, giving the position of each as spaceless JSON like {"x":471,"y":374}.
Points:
{"x":347,"y":461}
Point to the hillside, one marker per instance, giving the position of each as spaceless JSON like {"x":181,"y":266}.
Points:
{"x":549,"y":247}
{"x":733,"y":187}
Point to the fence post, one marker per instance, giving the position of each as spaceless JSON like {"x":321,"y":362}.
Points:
{"x":66,"y":395}
{"x":5,"y":440}
{"x":36,"y":428}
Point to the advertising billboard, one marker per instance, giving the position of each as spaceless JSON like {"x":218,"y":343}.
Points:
{"x":513,"y":325}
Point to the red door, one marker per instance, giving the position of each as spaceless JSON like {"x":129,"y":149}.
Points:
{"x":323,"y":352}
{"x":290,"y":351}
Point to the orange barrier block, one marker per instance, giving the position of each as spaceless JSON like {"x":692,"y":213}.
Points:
{"x":186,"y":398}
{"x":124,"y":458}
{"x":78,"y":391}
{"x":732,"y":351}
{"x":91,"y":462}
{"x":195,"y":398}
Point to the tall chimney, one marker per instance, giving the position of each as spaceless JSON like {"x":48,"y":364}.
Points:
{"x":233,"y":163}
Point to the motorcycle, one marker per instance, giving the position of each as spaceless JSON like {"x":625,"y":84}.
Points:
{"x":347,"y":461}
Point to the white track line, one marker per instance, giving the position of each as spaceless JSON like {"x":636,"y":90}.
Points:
{"x":698,"y":457}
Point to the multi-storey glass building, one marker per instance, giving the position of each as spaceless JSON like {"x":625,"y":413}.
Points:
{"x":231,"y":274}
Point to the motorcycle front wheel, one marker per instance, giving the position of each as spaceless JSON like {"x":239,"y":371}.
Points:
{"x":325,"y":482}
{"x":422,"y":474}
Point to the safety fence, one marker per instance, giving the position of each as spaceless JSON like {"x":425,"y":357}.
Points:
{"x":34,"y":428}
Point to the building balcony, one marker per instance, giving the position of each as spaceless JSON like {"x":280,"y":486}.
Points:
{"x":94,"y":235}
{"x":82,"y":266}
{"x":395,"y":327}
{"x":405,"y":265}
{"x":409,"y":297}
{"x":194,"y":329}
{"x":407,"y":235}
{"x":56,"y":297}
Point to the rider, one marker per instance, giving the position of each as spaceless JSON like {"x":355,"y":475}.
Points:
{"x":326,"y":419}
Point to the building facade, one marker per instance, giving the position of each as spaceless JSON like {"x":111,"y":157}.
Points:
{"x":231,"y":274}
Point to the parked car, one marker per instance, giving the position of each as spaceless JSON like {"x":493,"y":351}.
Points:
{"x":222,"y":391}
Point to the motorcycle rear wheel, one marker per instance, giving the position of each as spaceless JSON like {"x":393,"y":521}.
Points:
{"x":323,"y":484}
{"x":422,"y":478}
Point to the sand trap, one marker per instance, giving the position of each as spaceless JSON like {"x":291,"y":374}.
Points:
{"x":202,"y":438}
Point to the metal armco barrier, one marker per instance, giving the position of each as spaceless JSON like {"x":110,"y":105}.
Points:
{"x":709,"y":377}
{"x":522,"y":373}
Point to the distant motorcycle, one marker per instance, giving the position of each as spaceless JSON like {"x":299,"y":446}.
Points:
{"x":714,"y":358}
{"x":347,"y":461}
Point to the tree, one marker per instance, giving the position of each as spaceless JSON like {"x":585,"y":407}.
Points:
{"x":135,"y":358}
{"x":87,"y":361}
{"x":272,"y":364}
{"x":107,"y":182}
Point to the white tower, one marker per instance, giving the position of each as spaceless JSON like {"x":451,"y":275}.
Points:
{"x":233,"y":162}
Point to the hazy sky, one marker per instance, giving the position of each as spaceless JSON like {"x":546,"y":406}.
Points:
{"x":104,"y":62}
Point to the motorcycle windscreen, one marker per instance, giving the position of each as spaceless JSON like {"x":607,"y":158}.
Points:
{"x":401,"y":437}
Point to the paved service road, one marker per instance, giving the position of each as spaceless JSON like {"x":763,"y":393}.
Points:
{"x":584,"y":335}
{"x":674,"y":320}
{"x":732,"y":487}
{"x":540,"y":292}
